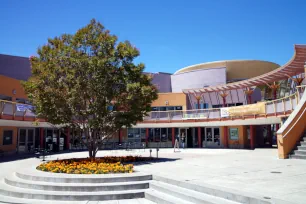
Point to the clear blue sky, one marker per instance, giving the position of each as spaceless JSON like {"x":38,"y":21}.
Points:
{"x":170,"y":34}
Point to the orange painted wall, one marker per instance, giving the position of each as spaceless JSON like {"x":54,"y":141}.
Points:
{"x":7,"y":85}
{"x":174,"y":99}
{"x":12,"y":147}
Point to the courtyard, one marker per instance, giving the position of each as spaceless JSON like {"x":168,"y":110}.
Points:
{"x":248,"y":172}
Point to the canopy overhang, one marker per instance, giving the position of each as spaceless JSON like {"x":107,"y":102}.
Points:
{"x":292,"y":68}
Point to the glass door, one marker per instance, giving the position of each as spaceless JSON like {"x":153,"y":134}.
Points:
{"x":22,"y":134}
{"x":212,"y":137}
{"x":183,"y":137}
{"x":26,"y":140}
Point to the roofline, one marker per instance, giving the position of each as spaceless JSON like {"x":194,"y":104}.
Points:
{"x":225,"y":61}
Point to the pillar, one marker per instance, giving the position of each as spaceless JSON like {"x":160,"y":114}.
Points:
{"x":252,"y":136}
{"x":147,"y":136}
{"x":173,"y":136}
{"x":68,"y":139}
{"x":199,"y":137}
{"x":225,"y":133}
{"x":42,"y":138}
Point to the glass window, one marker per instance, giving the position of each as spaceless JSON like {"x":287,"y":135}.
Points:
{"x":162,"y":108}
{"x":178,"y":108}
{"x":217,"y":135}
{"x":170,"y":108}
{"x":209,"y":134}
{"x":7,"y":137}
{"x":233,"y":133}
{"x":22,"y":137}
{"x":5,"y":98}
{"x":151,"y":134}
{"x":164,"y":137}
{"x":154,"y":108}
{"x":217,"y":106}
{"x":169,"y":134}
{"x":137,"y":133}
{"x":130,"y":133}
{"x":156,"y":134}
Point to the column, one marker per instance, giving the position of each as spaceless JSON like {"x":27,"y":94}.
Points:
{"x":248,"y":92}
{"x":173,"y":136}
{"x":252,"y":136}
{"x":199,"y":137}
{"x":41,"y":137}
{"x":223,"y":94}
{"x":68,"y":139}
{"x":225,"y":136}
{"x":147,"y":136}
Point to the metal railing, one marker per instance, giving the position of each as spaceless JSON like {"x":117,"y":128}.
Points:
{"x":280,"y":106}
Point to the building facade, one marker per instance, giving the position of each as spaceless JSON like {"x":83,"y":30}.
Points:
{"x":189,"y":107}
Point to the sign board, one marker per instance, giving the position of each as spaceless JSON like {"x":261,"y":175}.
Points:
{"x":253,"y":109}
{"x":23,"y":107}
{"x":234,"y":133}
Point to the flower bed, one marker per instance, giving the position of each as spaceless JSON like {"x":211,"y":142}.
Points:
{"x":103,"y":165}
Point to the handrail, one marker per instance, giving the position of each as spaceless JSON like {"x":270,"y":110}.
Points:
{"x":295,"y":123}
{"x":292,"y":126}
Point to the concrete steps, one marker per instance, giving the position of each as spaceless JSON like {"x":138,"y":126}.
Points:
{"x":10,"y":200}
{"x":300,"y":152}
{"x":81,"y":178}
{"x":35,"y":185}
{"x":203,"y":193}
{"x":163,"y":198}
{"x":15,"y":181}
{"x":186,"y":195}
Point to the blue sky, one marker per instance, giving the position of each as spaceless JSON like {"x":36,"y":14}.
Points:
{"x":170,"y":34}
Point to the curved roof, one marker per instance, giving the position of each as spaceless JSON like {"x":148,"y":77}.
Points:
{"x":235,"y":69}
{"x":292,"y":68}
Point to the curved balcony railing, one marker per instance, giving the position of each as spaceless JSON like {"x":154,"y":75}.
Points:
{"x":278,"y":107}
{"x":282,"y":106}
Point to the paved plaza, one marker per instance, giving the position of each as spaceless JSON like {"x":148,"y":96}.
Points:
{"x":257,"y":172}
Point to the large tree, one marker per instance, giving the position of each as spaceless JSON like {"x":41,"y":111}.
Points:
{"x":89,"y":81}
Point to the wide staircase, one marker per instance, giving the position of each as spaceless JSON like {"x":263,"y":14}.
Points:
{"x":41,"y":187}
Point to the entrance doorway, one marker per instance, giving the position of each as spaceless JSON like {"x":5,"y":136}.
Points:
{"x":212,"y":137}
{"x":183,"y":137}
{"x":26,"y":140}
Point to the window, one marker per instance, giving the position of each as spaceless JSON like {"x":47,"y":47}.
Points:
{"x":7,"y":137}
{"x":217,"y":106}
{"x":5,"y":98}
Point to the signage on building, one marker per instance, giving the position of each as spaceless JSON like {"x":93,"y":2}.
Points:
{"x":253,"y":109}
{"x":234,"y":133}
{"x":23,"y":107}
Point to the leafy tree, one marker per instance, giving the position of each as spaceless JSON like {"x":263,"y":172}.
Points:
{"x":89,"y":81}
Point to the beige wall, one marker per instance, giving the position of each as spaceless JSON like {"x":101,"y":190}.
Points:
{"x":236,"y":69}
{"x":174,"y":99}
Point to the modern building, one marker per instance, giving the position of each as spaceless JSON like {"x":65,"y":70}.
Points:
{"x":223,"y":104}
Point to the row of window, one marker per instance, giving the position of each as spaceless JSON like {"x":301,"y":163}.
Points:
{"x":166,"y":108}
{"x":18,"y":100}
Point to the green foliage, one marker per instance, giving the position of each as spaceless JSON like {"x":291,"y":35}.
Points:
{"x":76,"y":78}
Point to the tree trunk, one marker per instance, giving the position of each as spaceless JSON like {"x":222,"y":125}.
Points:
{"x":92,"y":150}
